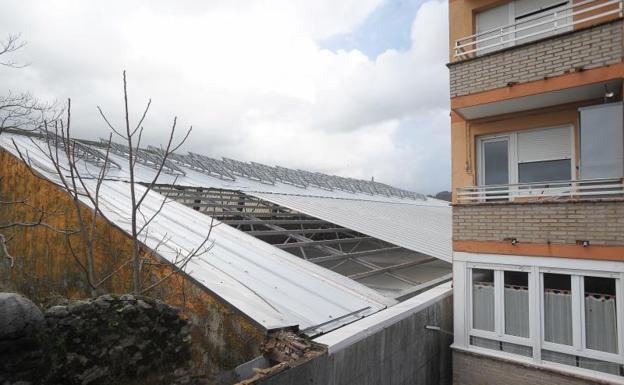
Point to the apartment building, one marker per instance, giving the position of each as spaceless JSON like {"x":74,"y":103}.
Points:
{"x":538,"y":191}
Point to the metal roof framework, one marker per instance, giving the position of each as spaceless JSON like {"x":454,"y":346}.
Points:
{"x":394,"y":271}
{"x":80,"y":151}
{"x":152,"y":157}
{"x":272,"y":287}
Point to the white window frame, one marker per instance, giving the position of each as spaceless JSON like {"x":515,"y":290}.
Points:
{"x":511,"y":137}
{"x":499,"y":307}
{"x":536,"y":266}
{"x":579,"y":346}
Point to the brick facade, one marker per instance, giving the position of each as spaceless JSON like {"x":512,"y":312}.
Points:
{"x":600,"y":222}
{"x":472,"y":369}
{"x":588,"y":48}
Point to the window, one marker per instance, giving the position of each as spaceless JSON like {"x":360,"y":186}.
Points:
{"x":551,"y":315}
{"x":600,"y":314}
{"x":500,"y":311}
{"x":483,"y":299}
{"x":580,"y":322}
{"x":558,"y":308}
{"x":516,"y":303}
{"x":544,"y":171}
{"x":496,"y":161}
{"x":532,"y":156}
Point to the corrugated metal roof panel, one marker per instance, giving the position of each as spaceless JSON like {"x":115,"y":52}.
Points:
{"x":271,"y":286}
{"x":421,"y":227}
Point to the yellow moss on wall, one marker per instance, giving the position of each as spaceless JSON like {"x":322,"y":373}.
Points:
{"x":45,"y":267}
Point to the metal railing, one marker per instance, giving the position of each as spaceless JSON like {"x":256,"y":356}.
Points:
{"x":565,"y":190}
{"x":547,"y":23}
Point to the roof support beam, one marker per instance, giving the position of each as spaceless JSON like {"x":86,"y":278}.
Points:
{"x":424,"y":286}
{"x":354,"y":254}
{"x":321,"y":242}
{"x":235,"y":222}
{"x":259,"y":233}
{"x":391,"y":268}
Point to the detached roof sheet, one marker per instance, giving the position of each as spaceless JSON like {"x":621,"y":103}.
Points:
{"x":271,"y":286}
{"x":424,"y":227}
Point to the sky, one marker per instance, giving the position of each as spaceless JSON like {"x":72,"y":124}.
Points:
{"x":356,"y":88}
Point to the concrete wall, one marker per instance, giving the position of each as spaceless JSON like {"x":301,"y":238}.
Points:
{"x":472,"y":369}
{"x":400,"y":352}
{"x":588,"y":48}
{"x":600,"y":222}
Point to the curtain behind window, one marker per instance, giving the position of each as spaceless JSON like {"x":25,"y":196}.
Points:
{"x":558,"y":317}
{"x":601,"y":323}
{"x":517,"y":311}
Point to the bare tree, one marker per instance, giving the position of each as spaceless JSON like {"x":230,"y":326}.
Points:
{"x":10,"y":44}
{"x":21,"y":110}
{"x":67,"y":155}
{"x":131,"y":135}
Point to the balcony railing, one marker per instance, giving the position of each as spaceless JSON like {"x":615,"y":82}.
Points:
{"x":546,"y":191}
{"x":540,"y":24}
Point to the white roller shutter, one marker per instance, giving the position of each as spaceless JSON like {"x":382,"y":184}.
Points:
{"x":523,"y":7}
{"x":490,"y":19}
{"x":546,"y":144}
{"x":539,"y":14}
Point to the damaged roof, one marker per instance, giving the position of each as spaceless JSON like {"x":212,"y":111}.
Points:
{"x":270,"y":285}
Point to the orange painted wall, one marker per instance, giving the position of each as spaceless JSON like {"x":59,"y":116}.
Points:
{"x":44,"y":267}
{"x":462,"y":19}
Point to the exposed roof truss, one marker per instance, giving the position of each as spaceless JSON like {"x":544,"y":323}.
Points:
{"x":386,"y":267}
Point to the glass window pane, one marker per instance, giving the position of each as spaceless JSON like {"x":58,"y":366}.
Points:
{"x":544,"y":171}
{"x":600,"y":314}
{"x":558,"y":308}
{"x":496,"y":162}
{"x":483,"y":299}
{"x":517,"y":303}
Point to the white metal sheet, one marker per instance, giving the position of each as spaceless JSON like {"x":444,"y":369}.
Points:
{"x":271,"y":286}
{"x":425,"y":228}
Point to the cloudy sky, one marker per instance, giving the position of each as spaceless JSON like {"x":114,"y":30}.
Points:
{"x":351,"y":87}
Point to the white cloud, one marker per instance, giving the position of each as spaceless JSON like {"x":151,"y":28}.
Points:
{"x":251,"y":78}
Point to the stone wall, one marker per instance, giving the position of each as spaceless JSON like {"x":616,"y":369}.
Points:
{"x":588,"y":48}
{"x":471,"y":369}
{"x":600,"y":222}
{"x":111,"y":339}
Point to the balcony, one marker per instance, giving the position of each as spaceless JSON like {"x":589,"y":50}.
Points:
{"x":577,"y":37}
{"x":536,"y":25}
{"x":544,"y":191}
{"x":576,"y":212}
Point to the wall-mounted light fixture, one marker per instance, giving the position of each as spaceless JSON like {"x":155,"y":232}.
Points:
{"x":514,"y":241}
{"x":582,"y":242}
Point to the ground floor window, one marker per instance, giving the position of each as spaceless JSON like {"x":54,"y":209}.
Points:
{"x":557,"y":316}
